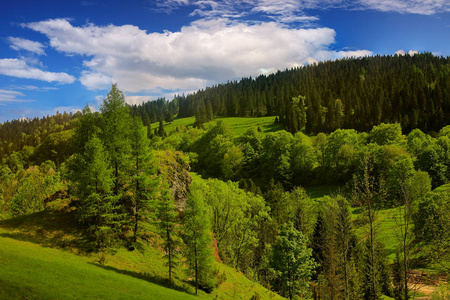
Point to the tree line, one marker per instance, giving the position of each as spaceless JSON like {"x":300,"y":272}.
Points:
{"x":352,"y":93}
{"x":263,"y":221}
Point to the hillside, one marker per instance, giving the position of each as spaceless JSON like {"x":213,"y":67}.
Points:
{"x":237,"y":125}
{"x":44,"y":256}
{"x":30,"y":271}
{"x":181,"y":204}
{"x":355,"y":93}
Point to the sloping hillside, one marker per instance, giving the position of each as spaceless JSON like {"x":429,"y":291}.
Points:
{"x":44,"y":256}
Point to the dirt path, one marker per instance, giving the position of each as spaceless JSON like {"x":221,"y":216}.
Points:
{"x":425,"y":284}
{"x":426,"y":290}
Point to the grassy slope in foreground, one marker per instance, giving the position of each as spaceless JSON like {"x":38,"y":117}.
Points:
{"x":30,"y":271}
{"x":31,"y":267}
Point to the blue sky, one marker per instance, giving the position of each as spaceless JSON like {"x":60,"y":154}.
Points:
{"x":62,"y":55}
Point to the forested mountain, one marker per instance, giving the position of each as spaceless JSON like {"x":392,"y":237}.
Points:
{"x":31,"y":132}
{"x":127,"y":185}
{"x":355,"y":93}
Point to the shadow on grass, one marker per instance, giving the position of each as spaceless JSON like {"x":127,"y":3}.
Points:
{"x":48,"y":228}
{"x":273,"y":128}
{"x":357,"y":211}
{"x":147,"y":277}
{"x":319,"y":191}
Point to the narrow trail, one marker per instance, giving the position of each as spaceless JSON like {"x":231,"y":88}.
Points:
{"x":425,"y":284}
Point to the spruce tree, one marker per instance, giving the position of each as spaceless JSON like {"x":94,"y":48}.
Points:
{"x":198,"y":240}
{"x":344,"y":234}
{"x":93,"y":179}
{"x":161,"y":132}
{"x":116,"y":122}
{"x":168,"y":229}
{"x":143,"y":183}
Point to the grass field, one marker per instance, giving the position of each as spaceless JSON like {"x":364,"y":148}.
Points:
{"x":43,"y":256}
{"x":443,"y":188}
{"x":315,"y":192}
{"x":387,"y":226}
{"x":238,"y":125}
{"x":30,"y":271}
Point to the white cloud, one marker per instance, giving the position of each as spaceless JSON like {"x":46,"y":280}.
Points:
{"x":19,"y":68}
{"x":67,"y":109}
{"x":420,"y":7}
{"x":99,"y":99}
{"x":402,"y":52}
{"x":27,"y":113}
{"x":136,"y":100}
{"x":95,"y":81}
{"x":9,"y":96}
{"x":33,"y":88}
{"x":205,"y":52}
{"x":17,"y":44}
{"x":168,"y":5}
{"x":287,"y":10}
{"x":355,"y":53}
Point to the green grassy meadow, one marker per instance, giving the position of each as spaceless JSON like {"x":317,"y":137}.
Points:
{"x":238,"y":125}
{"x":443,"y":188}
{"x":30,"y":271}
{"x":44,"y":256}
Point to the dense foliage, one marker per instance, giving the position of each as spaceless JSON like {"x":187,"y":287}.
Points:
{"x":348,"y":93}
{"x":246,"y":205}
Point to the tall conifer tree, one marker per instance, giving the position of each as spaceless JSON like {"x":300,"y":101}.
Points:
{"x":93,"y":179}
{"x":198,"y":240}
{"x":168,"y":229}
{"x":116,"y":122}
{"x":144,"y":183}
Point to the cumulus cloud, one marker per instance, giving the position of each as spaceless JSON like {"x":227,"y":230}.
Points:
{"x":136,"y":100}
{"x":18,"y":43}
{"x":95,"y":81}
{"x":402,"y":52}
{"x":354,"y":53}
{"x":204,"y":52}
{"x":9,"y":96}
{"x":19,"y":68}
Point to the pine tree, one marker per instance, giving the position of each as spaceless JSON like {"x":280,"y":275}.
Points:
{"x":116,"y":122}
{"x":344,"y":232}
{"x":168,"y":228}
{"x":161,"y":132}
{"x":201,"y":116}
{"x":318,"y":243}
{"x":143,"y":186}
{"x":88,"y":126}
{"x":93,"y":180}
{"x":197,"y":238}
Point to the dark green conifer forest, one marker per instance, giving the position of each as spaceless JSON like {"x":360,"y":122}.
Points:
{"x":350,"y":201}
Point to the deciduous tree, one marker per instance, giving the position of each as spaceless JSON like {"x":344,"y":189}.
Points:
{"x":292,"y":262}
